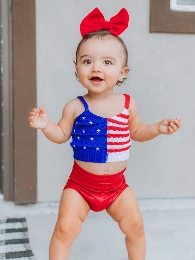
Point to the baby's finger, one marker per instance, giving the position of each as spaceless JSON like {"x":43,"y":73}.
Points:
{"x":177,"y":122}
{"x":34,"y":110}
{"x":42,"y":110}
{"x":31,"y":118}
{"x":31,"y":113}
{"x":170,"y":130}
{"x":31,"y":124}
{"x":168,"y":121}
{"x":173,"y":126}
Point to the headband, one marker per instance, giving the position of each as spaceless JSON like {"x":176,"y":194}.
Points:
{"x":95,"y":21}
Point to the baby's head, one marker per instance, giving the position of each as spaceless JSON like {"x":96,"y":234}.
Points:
{"x":104,"y":34}
{"x":112,"y":41}
{"x":101,"y":56}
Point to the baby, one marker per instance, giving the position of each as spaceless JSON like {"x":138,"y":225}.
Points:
{"x":100,"y":124}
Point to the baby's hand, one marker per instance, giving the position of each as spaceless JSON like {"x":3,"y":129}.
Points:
{"x":38,"y":118}
{"x":169,"y":126}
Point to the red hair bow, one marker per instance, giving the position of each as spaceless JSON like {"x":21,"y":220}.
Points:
{"x":95,"y":21}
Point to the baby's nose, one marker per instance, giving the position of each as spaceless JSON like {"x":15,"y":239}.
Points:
{"x":96,"y":66}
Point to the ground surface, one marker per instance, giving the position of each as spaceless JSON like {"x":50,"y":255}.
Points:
{"x":169,"y":226}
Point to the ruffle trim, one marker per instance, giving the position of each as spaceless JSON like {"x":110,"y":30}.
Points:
{"x":101,"y":157}
{"x":96,"y":157}
{"x":118,"y":157}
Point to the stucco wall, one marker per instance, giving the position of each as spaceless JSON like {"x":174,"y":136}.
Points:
{"x":161,"y":80}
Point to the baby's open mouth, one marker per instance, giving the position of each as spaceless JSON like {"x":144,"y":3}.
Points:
{"x":96,"y":79}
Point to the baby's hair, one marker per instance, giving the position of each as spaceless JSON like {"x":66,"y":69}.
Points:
{"x":100,"y":35}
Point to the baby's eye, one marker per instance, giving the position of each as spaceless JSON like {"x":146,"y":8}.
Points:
{"x":107,"y":62}
{"x":87,"y":61}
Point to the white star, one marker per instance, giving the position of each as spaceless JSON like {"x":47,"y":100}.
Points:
{"x":91,"y":138}
{"x":76,"y":122}
{"x":74,"y":145}
{"x":78,"y":137}
{"x":83,"y":131}
{"x":91,"y":122}
{"x":97,"y":148}
{"x":98,"y":130}
{"x":83,"y":117}
{"x":84,"y":147}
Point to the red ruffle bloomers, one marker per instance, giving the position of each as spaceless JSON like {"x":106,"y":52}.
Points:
{"x":99,"y":191}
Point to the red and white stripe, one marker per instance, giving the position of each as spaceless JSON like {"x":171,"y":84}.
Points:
{"x":118,"y":137}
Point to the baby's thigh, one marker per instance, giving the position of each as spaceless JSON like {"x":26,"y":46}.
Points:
{"x":72,"y":211}
{"x":72,"y":207}
{"x":125,"y":205}
{"x":125,"y":211}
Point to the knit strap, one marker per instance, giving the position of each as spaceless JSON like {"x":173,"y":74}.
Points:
{"x":127,"y":101}
{"x":84,"y":102}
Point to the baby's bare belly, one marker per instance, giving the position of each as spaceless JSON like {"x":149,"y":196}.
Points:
{"x":103,"y":168}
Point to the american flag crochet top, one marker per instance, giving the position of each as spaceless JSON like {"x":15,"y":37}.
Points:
{"x":98,"y":139}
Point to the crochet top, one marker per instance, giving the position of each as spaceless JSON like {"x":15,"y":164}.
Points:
{"x":98,"y":139}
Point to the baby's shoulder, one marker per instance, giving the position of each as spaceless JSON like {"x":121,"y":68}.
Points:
{"x":73,"y":102}
{"x":133,"y":106}
{"x":74,"y":107}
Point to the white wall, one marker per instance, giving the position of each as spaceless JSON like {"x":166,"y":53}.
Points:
{"x":161,"y":80}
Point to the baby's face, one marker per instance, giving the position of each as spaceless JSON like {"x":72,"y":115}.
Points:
{"x":100,"y":64}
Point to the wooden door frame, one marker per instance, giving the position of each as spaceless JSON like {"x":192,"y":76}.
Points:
{"x":19,"y":97}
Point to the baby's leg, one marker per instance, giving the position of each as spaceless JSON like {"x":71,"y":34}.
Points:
{"x":126,"y":212}
{"x":72,"y":213}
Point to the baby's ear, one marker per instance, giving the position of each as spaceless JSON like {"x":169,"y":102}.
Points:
{"x":124,"y":71}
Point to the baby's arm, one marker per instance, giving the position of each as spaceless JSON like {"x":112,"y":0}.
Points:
{"x":145,"y":132}
{"x":57,"y":133}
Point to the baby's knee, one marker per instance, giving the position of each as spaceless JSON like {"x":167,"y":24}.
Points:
{"x":132,"y":225}
{"x":68,"y":228}
{"x":137,"y":225}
